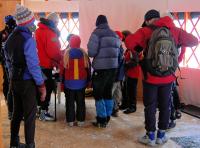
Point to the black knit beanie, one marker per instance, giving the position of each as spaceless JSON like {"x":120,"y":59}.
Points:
{"x":101,"y":19}
{"x":149,"y":15}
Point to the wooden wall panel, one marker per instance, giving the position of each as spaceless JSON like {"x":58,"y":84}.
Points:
{"x":6,"y":7}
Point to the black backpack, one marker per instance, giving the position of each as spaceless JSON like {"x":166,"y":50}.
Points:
{"x":14,"y":48}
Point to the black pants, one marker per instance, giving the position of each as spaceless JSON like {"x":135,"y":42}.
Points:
{"x":50,"y":86}
{"x":131,"y":92}
{"x":5,"y":83}
{"x":156,"y":95}
{"x":124,"y":93}
{"x":175,"y":95}
{"x":72,"y":97}
{"x":175,"y":102}
{"x":25,"y":105}
{"x":7,"y":93}
{"x":102,"y":83}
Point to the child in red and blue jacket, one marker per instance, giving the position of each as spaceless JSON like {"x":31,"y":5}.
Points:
{"x":75,"y":71}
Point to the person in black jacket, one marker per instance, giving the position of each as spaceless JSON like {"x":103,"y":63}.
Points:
{"x":10,"y":25}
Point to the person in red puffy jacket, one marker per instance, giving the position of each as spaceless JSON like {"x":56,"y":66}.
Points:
{"x":156,"y":90}
{"x":132,"y":73}
{"x":48,"y":45}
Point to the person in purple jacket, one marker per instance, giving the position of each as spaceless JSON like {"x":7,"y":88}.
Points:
{"x":25,"y":76}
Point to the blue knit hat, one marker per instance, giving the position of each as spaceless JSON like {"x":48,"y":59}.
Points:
{"x":8,"y":18}
{"x":10,"y":21}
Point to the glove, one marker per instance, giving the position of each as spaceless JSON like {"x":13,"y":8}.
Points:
{"x":42,"y":91}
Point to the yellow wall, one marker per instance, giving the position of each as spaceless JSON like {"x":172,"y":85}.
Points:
{"x":7,"y":7}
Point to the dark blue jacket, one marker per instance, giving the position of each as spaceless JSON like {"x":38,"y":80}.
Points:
{"x":103,"y":47}
{"x":121,"y":74}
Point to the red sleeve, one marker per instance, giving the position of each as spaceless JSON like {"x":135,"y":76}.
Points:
{"x":61,"y":69}
{"x":180,"y":58}
{"x":139,"y":38}
{"x":186,"y":39}
{"x":53,"y":47}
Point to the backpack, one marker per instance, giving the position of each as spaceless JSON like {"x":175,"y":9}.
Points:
{"x":133,"y":62}
{"x":161,"y":57}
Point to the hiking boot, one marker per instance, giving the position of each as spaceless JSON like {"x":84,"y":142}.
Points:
{"x":21,"y":145}
{"x":107,"y":119}
{"x":80,"y":123}
{"x":161,"y":137}
{"x":115,"y":113}
{"x":178,"y":114}
{"x":31,"y":145}
{"x":172,"y":124}
{"x":45,"y":116}
{"x":70,"y":124}
{"x":101,"y":122}
{"x":129,"y":110}
{"x":123,"y":107}
{"x":148,"y":139}
{"x":99,"y":125}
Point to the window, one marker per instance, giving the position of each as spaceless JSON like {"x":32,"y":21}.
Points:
{"x":191,"y":23}
{"x":68,"y":23}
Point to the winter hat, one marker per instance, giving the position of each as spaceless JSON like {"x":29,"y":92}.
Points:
{"x":125,"y":34}
{"x":149,"y":15}
{"x":23,"y":16}
{"x":53,"y":17}
{"x":101,"y":19}
{"x":120,"y":35}
{"x":10,"y":21}
{"x":8,"y":18}
{"x":75,"y":41}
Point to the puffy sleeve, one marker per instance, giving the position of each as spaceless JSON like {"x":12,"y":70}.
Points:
{"x":93,"y":45}
{"x":186,"y":39}
{"x":139,"y":38}
{"x":32,"y":61}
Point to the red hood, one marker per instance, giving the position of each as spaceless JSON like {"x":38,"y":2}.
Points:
{"x":165,"y":21}
{"x":43,"y":26}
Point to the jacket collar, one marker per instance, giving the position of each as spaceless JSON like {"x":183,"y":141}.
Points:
{"x":102,"y":26}
{"x":49,"y":24}
{"x":23,"y":29}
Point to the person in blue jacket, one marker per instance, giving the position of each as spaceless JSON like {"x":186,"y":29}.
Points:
{"x":25,"y":75}
{"x":103,"y":47}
